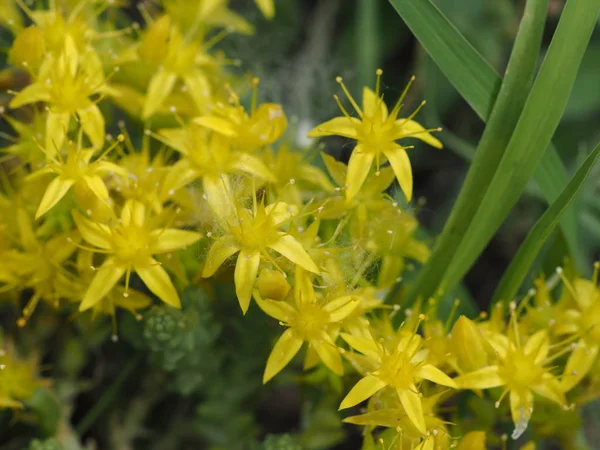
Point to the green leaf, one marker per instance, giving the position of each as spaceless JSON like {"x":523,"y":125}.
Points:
{"x":520,"y":264}
{"x":477,"y":82}
{"x":367,"y":40}
{"x":540,"y":117}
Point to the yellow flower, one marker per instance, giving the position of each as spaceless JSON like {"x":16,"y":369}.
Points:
{"x":30,"y":134}
{"x":296,"y":179}
{"x":176,"y":59}
{"x":73,"y":287}
{"x":309,"y":319}
{"x":522,"y":368}
{"x":130,"y":246}
{"x":18,"y":377}
{"x":253,"y":234}
{"x":213,"y":13}
{"x":249,"y":132}
{"x":399,"y":367}
{"x":66,"y":84}
{"x":77,"y":172}
{"x":582,"y":318}
{"x":469,"y":345}
{"x":376,"y":133}
{"x":386,"y":412}
{"x":267,"y":7}
{"x":208,"y":156}
{"x":37,"y":264}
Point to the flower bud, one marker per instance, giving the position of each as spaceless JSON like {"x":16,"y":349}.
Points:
{"x":468,"y":345}
{"x":28,"y":49}
{"x":272,"y":284}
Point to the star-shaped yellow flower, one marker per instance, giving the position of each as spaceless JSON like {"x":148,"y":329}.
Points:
{"x":253,"y":234}
{"x":130,"y":246}
{"x":398,"y":366}
{"x":66,"y":84}
{"x":376,"y":132}
{"x":522,"y":368}
{"x":309,"y":319}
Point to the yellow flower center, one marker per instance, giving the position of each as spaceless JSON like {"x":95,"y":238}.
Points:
{"x":131,"y":244}
{"x":520,"y":370}
{"x":397,"y":370}
{"x":252,"y":233}
{"x":310,"y":321}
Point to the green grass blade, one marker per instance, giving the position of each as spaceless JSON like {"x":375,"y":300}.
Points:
{"x":495,"y":139}
{"x":520,"y":264}
{"x":367,"y":40}
{"x":540,"y":117}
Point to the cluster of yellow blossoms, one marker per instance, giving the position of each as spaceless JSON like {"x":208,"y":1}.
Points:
{"x":83,"y":210}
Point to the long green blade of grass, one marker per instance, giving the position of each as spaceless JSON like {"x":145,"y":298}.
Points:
{"x":367,"y":40}
{"x":476,"y":81}
{"x":520,"y":264}
{"x":540,"y":117}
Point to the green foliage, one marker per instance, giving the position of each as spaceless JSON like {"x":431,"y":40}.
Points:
{"x":47,"y":444}
{"x":181,"y":341}
{"x":516,"y":272}
{"x":281,"y":442}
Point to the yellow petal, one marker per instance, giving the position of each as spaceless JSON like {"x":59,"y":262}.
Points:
{"x":105,"y":279}
{"x":222,"y":248}
{"x":550,"y":388}
{"x":97,"y":186}
{"x":293,"y":250}
{"x":198,"y":88}
{"x":411,"y":402}
{"x":57,"y":126}
{"x":340,"y":308}
{"x":35,"y":92}
{"x":427,"y":444}
{"x":338,"y":126}
{"x":218,"y":124}
{"x":468,"y":345}
{"x":388,"y":417}
{"x":365,"y":388}
{"x":244,"y":162}
{"x":158,"y":281}
{"x":219,"y":196}
{"x":279,"y":310}
{"x":172,"y":239}
{"x":280,"y":212}
{"x":358,"y":168}
{"x":363,"y":345}
{"x":315,"y":176}
{"x":266,"y":7}
{"x":409,"y":128}
{"x":400,"y":162}
{"x":284,"y":350}
{"x":475,"y":440}
{"x":55,"y":191}
{"x":159,"y":89}
{"x":484,"y":378}
{"x":372,"y":104}
{"x":336,"y":169}
{"x":434,"y":374}
{"x":578,"y":365}
{"x":95,"y":233}
{"x":92,"y":122}
{"x":329,"y":354}
{"x":537,"y":346}
{"x":246,"y":269}
{"x":521,"y":407}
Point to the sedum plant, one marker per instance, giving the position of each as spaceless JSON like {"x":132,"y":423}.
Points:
{"x":156,"y":213}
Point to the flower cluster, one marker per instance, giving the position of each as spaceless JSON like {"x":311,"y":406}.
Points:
{"x":96,"y":217}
